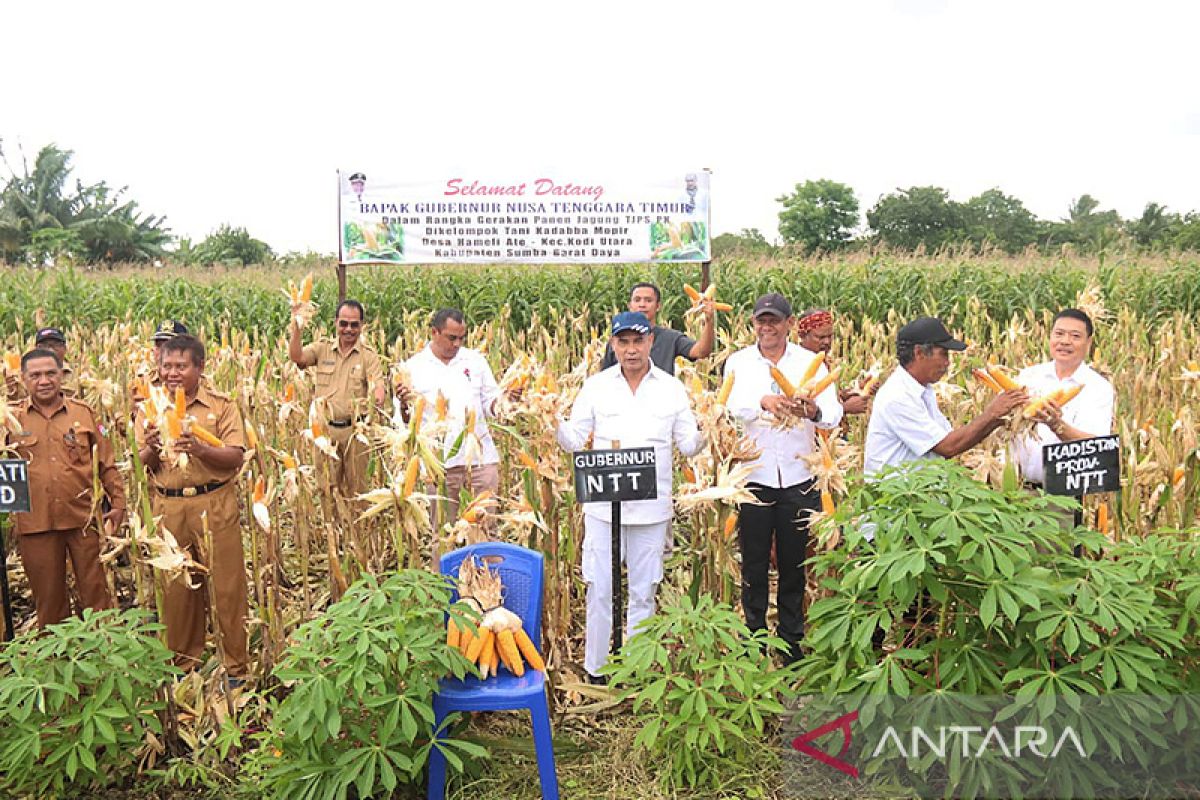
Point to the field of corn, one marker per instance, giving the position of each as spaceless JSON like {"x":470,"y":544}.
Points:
{"x":544,"y":327}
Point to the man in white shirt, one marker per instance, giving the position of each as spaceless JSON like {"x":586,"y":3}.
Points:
{"x":906,"y":424}
{"x":638,"y":405}
{"x":1088,"y":414}
{"x":781,"y":479}
{"x":465,"y":379}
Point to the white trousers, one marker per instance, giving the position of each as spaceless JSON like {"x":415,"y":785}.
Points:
{"x":642,"y":553}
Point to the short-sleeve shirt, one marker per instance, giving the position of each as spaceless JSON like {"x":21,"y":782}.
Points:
{"x":905,"y":423}
{"x":1091,"y":411}
{"x":59,"y":451}
{"x":344,"y":381}
{"x":220,"y":416}
{"x":668,"y":345}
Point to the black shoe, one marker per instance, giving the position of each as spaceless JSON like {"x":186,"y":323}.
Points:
{"x":597,"y":680}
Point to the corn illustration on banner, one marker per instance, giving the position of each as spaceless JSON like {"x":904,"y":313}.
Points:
{"x":533,"y":219}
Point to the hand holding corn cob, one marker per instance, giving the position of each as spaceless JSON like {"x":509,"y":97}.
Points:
{"x":303,"y":309}
{"x":706,"y":302}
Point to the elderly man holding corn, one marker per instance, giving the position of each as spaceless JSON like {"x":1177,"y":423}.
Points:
{"x":631,"y":404}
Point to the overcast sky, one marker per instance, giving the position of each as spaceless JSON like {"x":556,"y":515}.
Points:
{"x":241,"y":112}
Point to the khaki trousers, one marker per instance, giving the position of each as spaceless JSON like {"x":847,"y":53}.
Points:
{"x":349,"y":473}
{"x":186,"y":610}
{"x":44,"y":556}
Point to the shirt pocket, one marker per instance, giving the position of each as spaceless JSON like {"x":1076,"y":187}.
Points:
{"x":323,"y":377}
{"x":78,"y":445}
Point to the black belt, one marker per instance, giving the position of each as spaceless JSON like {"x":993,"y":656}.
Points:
{"x":344,"y":423}
{"x":191,"y":491}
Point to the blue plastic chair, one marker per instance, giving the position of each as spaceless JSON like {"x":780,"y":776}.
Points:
{"x":522,"y":573}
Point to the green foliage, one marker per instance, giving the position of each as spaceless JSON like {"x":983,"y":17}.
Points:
{"x":704,"y":689}
{"x":996,"y":219}
{"x":1085,"y":226}
{"x":359,"y":713}
{"x":921,"y":216}
{"x":820,"y":215}
{"x":749,"y":243}
{"x":77,"y":702}
{"x":226,"y":245}
{"x":980,"y":592}
{"x":96,"y":225}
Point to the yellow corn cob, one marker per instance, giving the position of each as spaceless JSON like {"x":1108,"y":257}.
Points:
{"x":487,"y":658}
{"x":827,"y":506}
{"x":469,"y":422}
{"x":1001,"y":378}
{"x":180,"y":403}
{"x":12,"y":362}
{"x":696,"y":386}
{"x":824,"y":383}
{"x":1102,"y":518}
{"x":710,"y":292}
{"x":306,"y":288}
{"x":174,"y":425}
{"x":869,"y":387}
{"x":452,"y":634}
{"x":410,"y":477}
{"x":418,"y":411}
{"x":1177,"y":477}
{"x":318,"y":430}
{"x":443,"y":407}
{"x":811,"y":371}
{"x":726,"y":388}
{"x":289,"y":393}
{"x":525,"y":645}
{"x":506,"y":644}
{"x":477,"y":644}
{"x":983,"y":377}
{"x":722,"y":307}
{"x":251,"y":436}
{"x":689,"y":474}
{"x":260,"y":489}
{"x":1063,"y":396}
{"x":785,"y":385}
{"x":692,"y":294}
{"x":731,"y":524}
{"x":527,"y":460}
{"x":206,"y":436}
{"x":288,"y":461}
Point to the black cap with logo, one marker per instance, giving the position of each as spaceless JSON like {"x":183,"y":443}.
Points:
{"x":774,"y":304}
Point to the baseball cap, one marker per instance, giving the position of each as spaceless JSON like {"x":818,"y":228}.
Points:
{"x":169,"y":329}
{"x":773,"y":303}
{"x":49,"y":334}
{"x":929,"y":330}
{"x":630,"y":321}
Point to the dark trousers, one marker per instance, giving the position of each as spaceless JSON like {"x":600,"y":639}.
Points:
{"x":783,"y":521}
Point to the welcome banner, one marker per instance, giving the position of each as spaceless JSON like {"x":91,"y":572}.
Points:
{"x":527,"y":219}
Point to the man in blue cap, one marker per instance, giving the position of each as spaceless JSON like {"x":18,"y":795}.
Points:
{"x":631,"y":404}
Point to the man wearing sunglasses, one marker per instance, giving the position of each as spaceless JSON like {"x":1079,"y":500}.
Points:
{"x":347,"y":376}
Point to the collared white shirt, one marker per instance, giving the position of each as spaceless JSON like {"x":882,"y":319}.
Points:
{"x":905,"y":425}
{"x":467,"y":383}
{"x":657,"y":415}
{"x":780,"y":463}
{"x":1091,"y":411}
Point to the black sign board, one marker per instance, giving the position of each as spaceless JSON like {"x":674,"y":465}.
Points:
{"x":14,"y":485}
{"x":615,"y":475}
{"x":1084,"y":466}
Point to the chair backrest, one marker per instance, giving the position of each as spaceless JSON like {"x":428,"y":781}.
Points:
{"x":521,"y":571}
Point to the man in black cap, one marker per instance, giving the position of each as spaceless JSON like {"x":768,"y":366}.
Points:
{"x":55,"y":341}
{"x":166,"y":331}
{"x":783,"y":430}
{"x":906,"y":424}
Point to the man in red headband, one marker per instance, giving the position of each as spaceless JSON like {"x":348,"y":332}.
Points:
{"x":815,"y":328}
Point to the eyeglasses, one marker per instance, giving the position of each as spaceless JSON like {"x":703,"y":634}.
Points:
{"x":346,"y":324}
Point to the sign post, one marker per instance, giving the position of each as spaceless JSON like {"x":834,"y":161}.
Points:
{"x":14,"y":496}
{"x":616,"y":476}
{"x":1084,"y":466}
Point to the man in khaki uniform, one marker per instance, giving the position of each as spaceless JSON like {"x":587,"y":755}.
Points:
{"x":348,"y":376}
{"x":206,"y":486}
{"x":60,"y":439}
{"x":55,"y":341}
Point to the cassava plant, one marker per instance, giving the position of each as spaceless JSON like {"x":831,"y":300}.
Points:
{"x":358,"y":716}
{"x":78,"y":703}
{"x":704,"y":689}
{"x":969,"y":590}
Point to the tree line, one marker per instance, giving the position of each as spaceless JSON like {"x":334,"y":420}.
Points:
{"x":823,"y":216}
{"x":48,"y":218}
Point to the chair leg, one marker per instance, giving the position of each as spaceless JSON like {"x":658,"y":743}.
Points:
{"x":437,"y":761}
{"x":543,"y":743}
